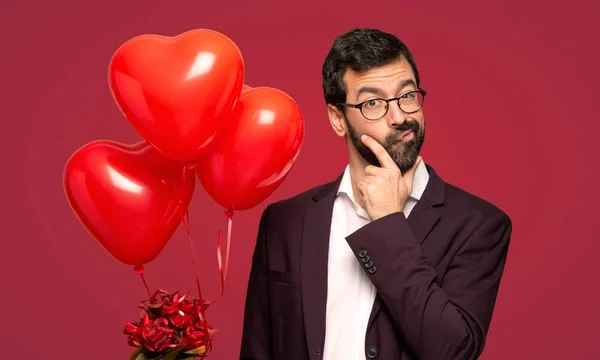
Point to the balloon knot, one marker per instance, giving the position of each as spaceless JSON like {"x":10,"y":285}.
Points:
{"x":190,"y":165}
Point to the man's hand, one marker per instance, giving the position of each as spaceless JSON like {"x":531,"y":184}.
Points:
{"x":384,"y":189}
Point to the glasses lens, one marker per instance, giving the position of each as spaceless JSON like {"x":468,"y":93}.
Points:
{"x":374,"y":109}
{"x":411,"y":102}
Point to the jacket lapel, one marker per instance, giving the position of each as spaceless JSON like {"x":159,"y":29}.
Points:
{"x":423,"y":217}
{"x":315,"y":252}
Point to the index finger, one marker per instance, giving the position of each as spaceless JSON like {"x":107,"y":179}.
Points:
{"x":382,"y":155}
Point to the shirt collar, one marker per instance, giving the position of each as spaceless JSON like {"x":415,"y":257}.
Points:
{"x":420,"y":181}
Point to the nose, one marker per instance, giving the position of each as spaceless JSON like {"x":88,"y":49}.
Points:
{"x":395,"y":116}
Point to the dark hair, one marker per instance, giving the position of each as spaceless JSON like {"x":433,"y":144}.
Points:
{"x":360,"y":50}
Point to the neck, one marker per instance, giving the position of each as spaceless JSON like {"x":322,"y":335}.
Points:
{"x":357,"y":173}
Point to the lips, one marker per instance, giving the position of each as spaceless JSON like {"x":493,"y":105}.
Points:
{"x":405,"y":134}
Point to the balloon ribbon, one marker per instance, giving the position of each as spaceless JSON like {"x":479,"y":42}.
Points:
{"x":223,"y":267}
{"x":186,"y":224}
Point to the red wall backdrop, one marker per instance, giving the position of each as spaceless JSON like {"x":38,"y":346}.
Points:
{"x":512,"y":116}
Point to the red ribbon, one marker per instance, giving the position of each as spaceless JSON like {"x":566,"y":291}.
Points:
{"x":185,"y":219}
{"x":139,"y":269}
{"x":194,"y":337}
{"x":223,"y":267}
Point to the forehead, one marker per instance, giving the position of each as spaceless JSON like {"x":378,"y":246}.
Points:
{"x":386,"y":78}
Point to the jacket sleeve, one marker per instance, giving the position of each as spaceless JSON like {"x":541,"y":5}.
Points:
{"x":437,"y":322}
{"x":256,"y":332}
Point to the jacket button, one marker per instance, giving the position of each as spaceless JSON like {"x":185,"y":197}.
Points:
{"x":372,"y":270}
{"x":372,"y":352}
{"x":362,"y":253}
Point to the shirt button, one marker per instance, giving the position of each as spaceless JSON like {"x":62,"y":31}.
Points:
{"x":372,"y":352}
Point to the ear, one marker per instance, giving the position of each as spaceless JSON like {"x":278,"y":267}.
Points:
{"x":336,"y":118}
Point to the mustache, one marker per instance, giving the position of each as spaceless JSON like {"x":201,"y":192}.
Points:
{"x":406,"y":126}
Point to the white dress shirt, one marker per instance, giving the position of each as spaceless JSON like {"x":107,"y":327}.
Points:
{"x":350,"y":293}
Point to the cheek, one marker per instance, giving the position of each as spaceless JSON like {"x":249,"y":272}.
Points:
{"x":358,"y":126}
{"x":380,"y":132}
{"x":421,"y":120}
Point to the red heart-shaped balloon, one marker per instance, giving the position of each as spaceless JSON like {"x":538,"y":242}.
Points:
{"x":177,"y":91}
{"x":131,"y":198}
{"x":257,"y":150}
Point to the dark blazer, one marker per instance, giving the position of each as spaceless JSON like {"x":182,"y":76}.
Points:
{"x":437,"y":274}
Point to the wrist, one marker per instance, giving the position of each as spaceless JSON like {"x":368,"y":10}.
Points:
{"x":383,"y":214}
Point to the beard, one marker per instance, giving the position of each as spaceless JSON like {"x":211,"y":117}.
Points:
{"x":404,"y":153}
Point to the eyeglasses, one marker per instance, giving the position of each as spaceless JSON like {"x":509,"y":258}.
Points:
{"x":375,"y":109}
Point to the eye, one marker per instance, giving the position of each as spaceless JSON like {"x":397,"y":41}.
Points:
{"x":373,"y":103}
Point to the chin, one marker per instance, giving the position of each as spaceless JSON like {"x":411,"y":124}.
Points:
{"x":405,"y":161}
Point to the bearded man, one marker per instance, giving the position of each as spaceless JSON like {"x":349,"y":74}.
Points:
{"x":388,"y":261}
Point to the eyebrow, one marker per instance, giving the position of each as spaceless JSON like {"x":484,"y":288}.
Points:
{"x":378,"y":92}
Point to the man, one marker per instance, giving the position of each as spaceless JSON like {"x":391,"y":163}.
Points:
{"x":388,"y":261}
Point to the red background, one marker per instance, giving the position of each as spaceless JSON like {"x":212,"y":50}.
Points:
{"x":511,"y":116}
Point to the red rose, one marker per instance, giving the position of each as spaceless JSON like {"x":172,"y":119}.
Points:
{"x":168,"y":321}
{"x":158,"y":337}
{"x":193,"y":338}
{"x":180,"y":320}
{"x":154,"y":335}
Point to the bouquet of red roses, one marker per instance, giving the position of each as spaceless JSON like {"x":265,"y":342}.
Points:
{"x":172,"y":327}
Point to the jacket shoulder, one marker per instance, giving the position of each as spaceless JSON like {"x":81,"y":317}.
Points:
{"x":288,"y":213}
{"x":299,"y":202}
{"x":462,"y":201}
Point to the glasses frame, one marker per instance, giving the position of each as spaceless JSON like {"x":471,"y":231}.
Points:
{"x":387,"y":106}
